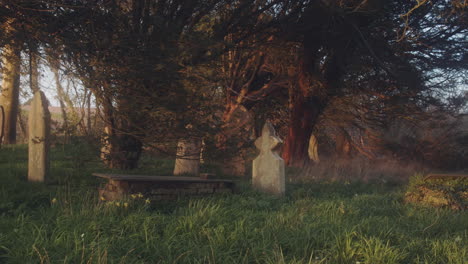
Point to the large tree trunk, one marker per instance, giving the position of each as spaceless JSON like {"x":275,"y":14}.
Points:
{"x":304,"y":114}
{"x":307,"y":98}
{"x":237,"y":127}
{"x":316,"y":82}
{"x":343,"y":144}
{"x":9,"y":97}
{"x":121,"y":149}
{"x":125,"y":152}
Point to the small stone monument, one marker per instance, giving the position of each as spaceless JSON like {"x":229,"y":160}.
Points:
{"x":188,"y":157}
{"x":38,"y":141}
{"x":268,"y":167}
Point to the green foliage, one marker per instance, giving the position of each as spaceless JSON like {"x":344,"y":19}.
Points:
{"x":65,"y":222}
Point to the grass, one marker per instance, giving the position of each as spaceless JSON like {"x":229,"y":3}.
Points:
{"x":317,"y":222}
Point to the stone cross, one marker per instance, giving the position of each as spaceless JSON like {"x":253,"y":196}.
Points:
{"x":188,"y":157}
{"x":38,"y":141}
{"x":268,"y":167}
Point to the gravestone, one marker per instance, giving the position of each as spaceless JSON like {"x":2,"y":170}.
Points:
{"x":268,"y":167}
{"x":188,"y":157}
{"x":38,"y":141}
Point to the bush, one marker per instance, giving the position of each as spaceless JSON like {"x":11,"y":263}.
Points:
{"x":438,"y":192}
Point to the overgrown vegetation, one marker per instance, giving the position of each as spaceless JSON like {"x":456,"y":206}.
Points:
{"x":317,"y":222}
{"x":438,"y":192}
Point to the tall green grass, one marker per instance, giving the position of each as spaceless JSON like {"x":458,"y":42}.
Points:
{"x":322,"y":222}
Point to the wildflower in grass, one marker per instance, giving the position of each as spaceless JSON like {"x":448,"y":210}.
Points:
{"x":458,"y":239}
{"x":125,"y":205}
{"x":102,"y":198}
{"x":342,"y":208}
{"x":134,"y":196}
{"x":147,"y":201}
{"x":54,"y":200}
{"x":140,"y":195}
{"x":117,"y":204}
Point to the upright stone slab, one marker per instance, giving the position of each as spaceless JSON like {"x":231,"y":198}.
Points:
{"x":268,"y":167}
{"x":38,"y":141}
{"x":188,"y":157}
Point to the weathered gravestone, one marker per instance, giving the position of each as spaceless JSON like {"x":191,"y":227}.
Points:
{"x":38,"y":141}
{"x":268,"y":167}
{"x":188,"y":157}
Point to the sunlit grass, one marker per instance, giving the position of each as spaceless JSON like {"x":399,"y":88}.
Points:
{"x":65,"y":222}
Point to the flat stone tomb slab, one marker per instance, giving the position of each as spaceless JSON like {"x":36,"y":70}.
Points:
{"x":160,"y":187}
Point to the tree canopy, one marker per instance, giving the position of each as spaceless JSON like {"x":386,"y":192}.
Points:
{"x":161,"y":70}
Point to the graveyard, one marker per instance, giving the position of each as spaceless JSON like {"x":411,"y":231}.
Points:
{"x":315,"y":222}
{"x":219,"y":131}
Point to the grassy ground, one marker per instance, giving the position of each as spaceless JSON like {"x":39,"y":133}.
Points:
{"x":64,"y":222}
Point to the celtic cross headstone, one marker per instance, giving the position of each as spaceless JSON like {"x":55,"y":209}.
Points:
{"x":268,"y":168}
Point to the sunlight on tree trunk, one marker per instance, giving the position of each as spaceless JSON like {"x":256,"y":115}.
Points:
{"x":303,"y":117}
{"x":313,"y":149}
{"x":88,"y":113}
{"x":60,"y":96}
{"x":9,"y":97}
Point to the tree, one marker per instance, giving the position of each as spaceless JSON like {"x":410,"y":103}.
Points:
{"x":135,"y":56}
{"x":140,"y":58}
{"x":347,"y":47}
{"x":9,"y":97}
{"x":140,"y":55}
